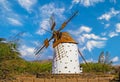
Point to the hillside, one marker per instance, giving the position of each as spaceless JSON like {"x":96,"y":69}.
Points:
{"x":11,"y":64}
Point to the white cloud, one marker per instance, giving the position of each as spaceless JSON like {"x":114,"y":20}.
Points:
{"x":8,"y":14}
{"x":36,"y":43}
{"x":94,"y":44}
{"x":115,"y":59}
{"x":27,"y":52}
{"x":48,"y":9}
{"x":118,"y":27}
{"x":87,"y":39}
{"x":4,"y":5}
{"x":87,"y":3}
{"x":93,"y":36}
{"x":112,"y":34}
{"x":14,"y":21}
{"x":27,"y":34}
{"x":107,"y":16}
{"x":45,"y":25}
{"x":107,"y":25}
{"x":115,"y":32}
{"x":45,"y":12}
{"x":27,"y":4}
{"x":85,"y":29}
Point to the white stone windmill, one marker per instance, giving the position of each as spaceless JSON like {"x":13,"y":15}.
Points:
{"x":66,"y":57}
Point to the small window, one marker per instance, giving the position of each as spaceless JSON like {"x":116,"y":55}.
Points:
{"x":65,"y":67}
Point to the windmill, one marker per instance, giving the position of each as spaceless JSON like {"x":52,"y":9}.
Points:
{"x":66,"y":57}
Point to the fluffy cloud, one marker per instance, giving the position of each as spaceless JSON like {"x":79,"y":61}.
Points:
{"x":115,"y":32}
{"x":84,"y":37}
{"x":14,"y":21}
{"x":43,"y":25}
{"x":93,"y":36}
{"x":27,"y":4}
{"x":87,"y":39}
{"x":107,"y":25}
{"x":107,"y":16}
{"x":8,"y":14}
{"x":112,"y":34}
{"x":84,"y":29}
{"x":27,"y":51}
{"x":94,"y":44}
{"x":45,"y":12}
{"x":87,"y":3}
{"x":115,"y":59}
{"x":48,"y":9}
{"x":118,"y":27}
{"x":80,"y":30}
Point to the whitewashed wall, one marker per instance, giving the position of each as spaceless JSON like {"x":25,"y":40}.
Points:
{"x":65,"y":60}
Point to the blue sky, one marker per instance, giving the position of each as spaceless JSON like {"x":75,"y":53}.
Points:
{"x":96,"y":28}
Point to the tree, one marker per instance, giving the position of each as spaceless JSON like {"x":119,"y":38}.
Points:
{"x":104,"y":58}
{"x":7,"y":51}
{"x":101,"y":57}
{"x":8,"y":54}
{"x":96,"y":68}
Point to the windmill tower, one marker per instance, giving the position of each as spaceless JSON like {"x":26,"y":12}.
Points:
{"x":65,"y":59}
{"x":66,"y":53}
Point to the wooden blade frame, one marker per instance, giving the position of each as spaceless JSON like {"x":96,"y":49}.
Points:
{"x":66,"y":22}
{"x":53,"y":26}
{"x":82,"y":57}
{"x":46,"y":43}
{"x":52,"y":22}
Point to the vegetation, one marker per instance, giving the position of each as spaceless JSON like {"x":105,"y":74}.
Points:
{"x":12,"y":64}
{"x":103,"y":65}
{"x":104,"y":58}
{"x":96,"y":68}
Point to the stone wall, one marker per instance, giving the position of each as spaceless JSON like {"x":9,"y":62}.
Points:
{"x":61,"y":80}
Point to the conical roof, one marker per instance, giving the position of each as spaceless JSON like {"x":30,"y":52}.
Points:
{"x":65,"y":38}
